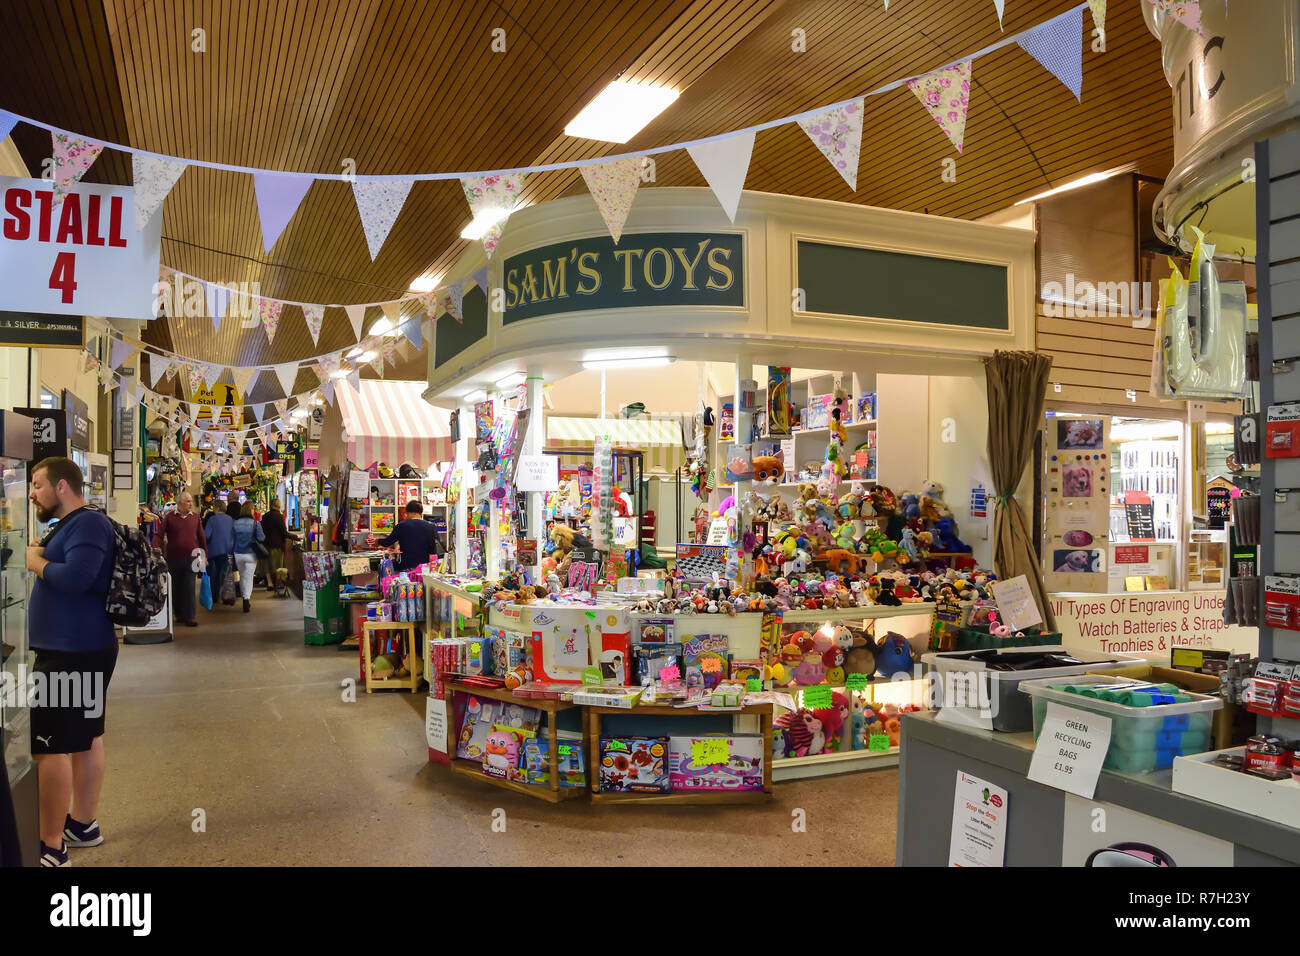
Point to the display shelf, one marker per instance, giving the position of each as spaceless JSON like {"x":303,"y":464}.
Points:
{"x":469,"y":768}
{"x":501,"y":694}
{"x":856,"y":613}
{"x":591,"y":718}
{"x":446,"y":587}
{"x":821,"y":765}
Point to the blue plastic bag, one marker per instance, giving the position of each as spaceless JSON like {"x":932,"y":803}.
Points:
{"x":205,"y":592}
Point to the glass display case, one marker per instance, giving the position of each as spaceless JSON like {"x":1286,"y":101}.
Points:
{"x":15,"y":658}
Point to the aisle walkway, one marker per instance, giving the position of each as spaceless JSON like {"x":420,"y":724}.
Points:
{"x":238,"y":719}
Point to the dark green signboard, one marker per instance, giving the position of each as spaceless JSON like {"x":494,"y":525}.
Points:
{"x":643,"y":271}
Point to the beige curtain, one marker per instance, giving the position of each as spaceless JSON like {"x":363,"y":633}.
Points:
{"x":1017,"y":382}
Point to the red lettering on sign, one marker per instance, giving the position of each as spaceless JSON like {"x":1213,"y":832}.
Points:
{"x":115,"y":237}
{"x":46,"y":201}
{"x":93,"y":238}
{"x":70,"y":220}
{"x":19,"y":225}
{"x":1131,"y":554}
{"x":61,"y":277}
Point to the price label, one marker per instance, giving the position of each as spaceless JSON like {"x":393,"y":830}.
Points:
{"x":1070,"y":750}
{"x":354,"y":565}
{"x":857,"y":682}
{"x":753,"y":685}
{"x":591,"y":675}
{"x":878,"y":742}
{"x":710,"y":751}
{"x":817,"y":697}
{"x":711,"y":665}
{"x":670,"y":673}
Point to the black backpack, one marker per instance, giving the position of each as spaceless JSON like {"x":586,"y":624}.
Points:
{"x":137,"y":588}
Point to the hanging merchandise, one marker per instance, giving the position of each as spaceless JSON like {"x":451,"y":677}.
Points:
{"x":484,"y":422}
{"x":779,"y":409}
{"x":602,"y":495}
{"x":1282,"y":435}
{"x":1201,"y":336}
{"x":833,"y":467}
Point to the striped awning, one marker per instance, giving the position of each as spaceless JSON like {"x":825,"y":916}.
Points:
{"x":659,"y":438}
{"x":390,"y":422}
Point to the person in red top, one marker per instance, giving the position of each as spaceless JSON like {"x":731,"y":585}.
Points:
{"x":184,"y":542}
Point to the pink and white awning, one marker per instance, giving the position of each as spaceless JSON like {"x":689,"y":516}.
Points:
{"x":390,"y":422}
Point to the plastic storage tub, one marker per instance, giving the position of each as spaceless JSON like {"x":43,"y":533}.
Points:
{"x":1142,"y":739}
{"x":1010,"y":711}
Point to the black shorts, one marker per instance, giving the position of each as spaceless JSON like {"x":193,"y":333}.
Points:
{"x":68,"y":696}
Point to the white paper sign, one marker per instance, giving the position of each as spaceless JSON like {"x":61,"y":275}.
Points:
{"x":354,"y":565}
{"x":1016,"y":606}
{"x":435,"y":724}
{"x":979,"y":823}
{"x":308,"y":599}
{"x":359,"y":485}
{"x":1070,"y":750}
{"x":84,"y":258}
{"x":717,"y":531}
{"x":537,"y":473}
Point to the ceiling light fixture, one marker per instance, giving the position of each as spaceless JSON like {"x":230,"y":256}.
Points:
{"x":424,"y":283}
{"x":475,"y":396}
{"x":1075,"y":184}
{"x":485,"y":220}
{"x":620,"y":111}
{"x":511,"y":380}
{"x":646,"y":362}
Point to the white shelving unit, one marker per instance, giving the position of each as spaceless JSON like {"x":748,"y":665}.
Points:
{"x":392,"y":505}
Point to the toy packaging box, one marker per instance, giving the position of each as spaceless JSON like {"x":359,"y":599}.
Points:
{"x":634,"y":765}
{"x":501,"y":751}
{"x":535,"y":764}
{"x":706,"y":660}
{"x":479,"y":714}
{"x":716,"y":762}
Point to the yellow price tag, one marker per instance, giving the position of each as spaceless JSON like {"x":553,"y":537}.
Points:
{"x":710,"y":751}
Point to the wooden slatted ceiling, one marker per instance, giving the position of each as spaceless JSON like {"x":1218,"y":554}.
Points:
{"x":409,"y":86}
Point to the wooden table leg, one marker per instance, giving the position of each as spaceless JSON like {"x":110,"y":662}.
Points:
{"x":765,"y":724}
{"x":553,"y":739}
{"x":365,"y":657}
{"x":593,"y":750}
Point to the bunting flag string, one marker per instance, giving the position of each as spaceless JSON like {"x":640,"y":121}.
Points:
{"x":493,"y":195}
{"x":613,"y":185}
{"x":356,"y":315}
{"x":158,"y":364}
{"x":314,"y":315}
{"x":945,"y":94}
{"x":838,"y":134}
{"x":268,"y":311}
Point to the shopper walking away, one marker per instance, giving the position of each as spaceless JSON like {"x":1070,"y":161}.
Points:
{"x":415,"y":537}
{"x":277,"y":534}
{"x":220,"y":533}
{"x":184,"y":536}
{"x":75,"y":646}
{"x":248,"y":538}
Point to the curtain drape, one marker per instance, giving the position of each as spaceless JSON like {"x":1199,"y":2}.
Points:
{"x":1017,"y":383}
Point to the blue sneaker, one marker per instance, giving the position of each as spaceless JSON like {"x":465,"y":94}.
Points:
{"x":81,"y":834}
{"x":53,"y":857}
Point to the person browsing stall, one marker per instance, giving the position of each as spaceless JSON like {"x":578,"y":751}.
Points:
{"x":415,"y":538}
{"x":277,"y":535}
{"x":74,"y":641}
{"x":248,"y":538}
{"x":220,"y":532}
{"x":183,"y":533}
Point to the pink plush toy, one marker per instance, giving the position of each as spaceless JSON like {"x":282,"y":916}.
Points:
{"x":500,"y":753}
{"x":810,"y":670}
{"x":996,"y":629}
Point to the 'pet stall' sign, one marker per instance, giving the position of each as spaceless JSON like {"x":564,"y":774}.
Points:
{"x":82,"y":256}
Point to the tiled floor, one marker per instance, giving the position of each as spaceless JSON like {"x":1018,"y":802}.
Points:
{"x":240,"y":720}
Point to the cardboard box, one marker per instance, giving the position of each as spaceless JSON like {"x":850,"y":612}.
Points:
{"x":1231,"y":726}
{"x":742,"y":770}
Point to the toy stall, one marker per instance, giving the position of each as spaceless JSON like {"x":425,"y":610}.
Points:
{"x":783,"y":636}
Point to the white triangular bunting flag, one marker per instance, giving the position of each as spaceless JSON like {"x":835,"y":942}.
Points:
{"x":724,"y":164}
{"x":278,"y":198}
{"x":314,"y":315}
{"x":72,"y":157}
{"x":1000,"y":5}
{"x":158,"y":364}
{"x":218,"y":297}
{"x":287,"y":374}
{"x":152,"y":178}
{"x":494,"y":196}
{"x":411,"y":329}
{"x":1058,"y":46}
{"x":838,"y":134}
{"x":356,"y":315}
{"x":455,"y":299}
{"x":120,"y":352}
{"x":946,"y":96}
{"x":393,"y":312}
{"x":258,"y":409}
{"x":244,"y":379}
{"x":613,"y":185}
{"x":379,"y":201}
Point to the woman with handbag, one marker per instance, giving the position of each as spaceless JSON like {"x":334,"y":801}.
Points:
{"x":248,"y":549}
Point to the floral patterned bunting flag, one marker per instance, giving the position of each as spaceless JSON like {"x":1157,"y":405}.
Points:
{"x":152,"y":178}
{"x":72,"y":157}
{"x":378,"y":202}
{"x":498,"y":192}
{"x":314,"y":314}
{"x":946,"y":95}
{"x":838,"y":134}
{"x":268,"y":310}
{"x":613,"y":185}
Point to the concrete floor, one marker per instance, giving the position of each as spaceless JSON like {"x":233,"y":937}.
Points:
{"x":240,"y":720}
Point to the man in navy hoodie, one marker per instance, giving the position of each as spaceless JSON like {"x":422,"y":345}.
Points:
{"x":76,"y":650}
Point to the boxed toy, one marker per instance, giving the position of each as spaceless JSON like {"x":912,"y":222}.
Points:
{"x":479,"y":714}
{"x":716,"y":762}
{"x":706,"y":660}
{"x":536,"y":762}
{"x":501,"y":751}
{"x":634,"y":765}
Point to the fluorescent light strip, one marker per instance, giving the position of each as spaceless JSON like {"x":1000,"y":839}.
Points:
{"x":1082,"y":181}
{"x":485,"y":220}
{"x":620,"y":111}
{"x":647,"y":362}
{"x":511,"y":380}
